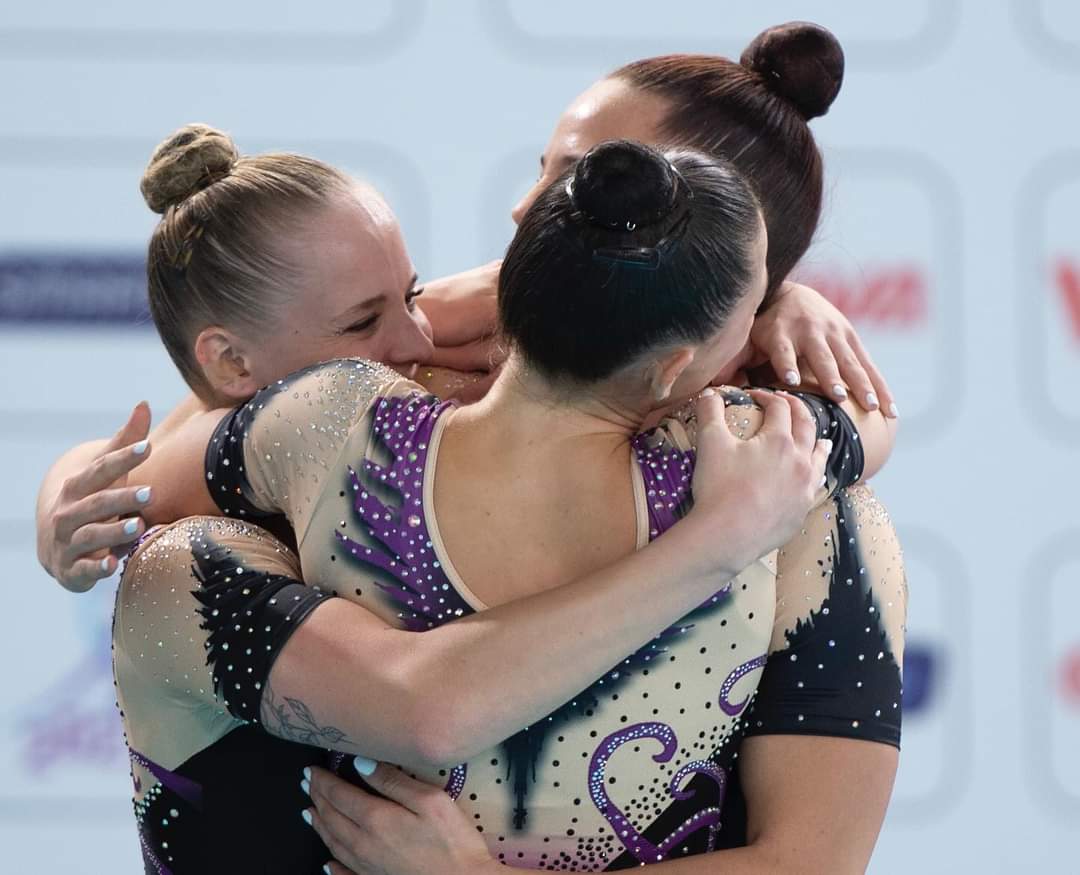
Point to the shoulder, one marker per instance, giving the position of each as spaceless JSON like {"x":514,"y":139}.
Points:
{"x":744,"y":418}
{"x":169,"y":554}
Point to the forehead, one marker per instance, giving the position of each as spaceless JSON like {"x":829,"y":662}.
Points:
{"x":352,"y":250}
{"x":608,"y":110}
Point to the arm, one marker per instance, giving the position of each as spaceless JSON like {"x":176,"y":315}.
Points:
{"x":462,"y":311}
{"x":429,"y":682}
{"x":815,"y":805}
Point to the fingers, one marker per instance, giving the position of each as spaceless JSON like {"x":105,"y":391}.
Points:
{"x":803,"y":425}
{"x":84,"y":573}
{"x":105,"y":470}
{"x":338,"y":833}
{"x":710,"y":412}
{"x":478,"y":355}
{"x":104,"y":536}
{"x":398,"y":787}
{"x":880,"y":386}
{"x":784,"y":361}
{"x":819,"y":460}
{"x":854,"y":374}
{"x":821,"y":361}
{"x":777,"y":413}
{"x":135,"y":429}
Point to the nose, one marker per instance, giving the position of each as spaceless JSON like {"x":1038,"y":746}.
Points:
{"x":413,"y":343}
{"x":522,"y":206}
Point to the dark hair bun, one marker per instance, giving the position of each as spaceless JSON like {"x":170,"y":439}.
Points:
{"x":188,"y":161}
{"x":623,"y":184}
{"x":801,"y":62}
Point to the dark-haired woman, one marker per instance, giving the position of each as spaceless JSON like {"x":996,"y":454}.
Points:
{"x":410,"y":497}
{"x":753,"y":113}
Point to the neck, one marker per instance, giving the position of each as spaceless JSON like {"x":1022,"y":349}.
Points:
{"x":525,"y":409}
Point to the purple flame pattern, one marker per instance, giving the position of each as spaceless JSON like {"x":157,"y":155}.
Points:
{"x":729,"y":683}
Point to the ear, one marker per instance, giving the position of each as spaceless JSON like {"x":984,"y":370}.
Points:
{"x":225,"y":364}
{"x":664,"y":372}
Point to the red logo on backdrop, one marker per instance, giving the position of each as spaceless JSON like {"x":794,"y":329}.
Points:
{"x":1070,"y":676}
{"x":894,"y":296}
{"x":1067,"y":280}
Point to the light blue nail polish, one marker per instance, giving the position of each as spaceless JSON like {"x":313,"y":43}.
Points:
{"x":363,"y":765}
{"x":140,"y":448}
{"x":791,"y":378}
{"x":305,"y":785}
{"x":894,"y":410}
{"x":307,"y":772}
{"x":131,"y":526}
{"x":839,"y":391}
{"x":143,"y":495}
{"x":326,"y":869}
{"x":307,"y":816}
{"x":871,"y":399}
{"x":105,"y":564}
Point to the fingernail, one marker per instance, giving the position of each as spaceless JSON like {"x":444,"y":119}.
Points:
{"x":871,"y":399}
{"x":307,"y":772}
{"x":105,"y":564}
{"x":839,"y":391}
{"x":131,"y":526}
{"x":363,"y":765}
{"x":307,"y":816}
{"x":792,"y":378}
{"x":326,"y":869}
{"x":143,"y":495}
{"x":894,"y":410}
{"x":825,"y":481}
{"x":305,"y":785}
{"x":140,"y":448}
{"x":827,"y":443}
{"x":707,"y":391}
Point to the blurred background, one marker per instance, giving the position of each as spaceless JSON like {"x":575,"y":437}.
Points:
{"x":950,"y":238}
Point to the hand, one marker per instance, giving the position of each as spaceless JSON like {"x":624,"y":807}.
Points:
{"x":801,"y":326}
{"x":417,"y":828}
{"x":756,"y":491}
{"x":462,"y":310}
{"x":77,"y":529}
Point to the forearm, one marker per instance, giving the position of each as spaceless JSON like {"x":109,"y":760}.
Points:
{"x":450,"y":693}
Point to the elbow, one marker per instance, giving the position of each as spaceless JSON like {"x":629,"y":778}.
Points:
{"x":436,"y":741}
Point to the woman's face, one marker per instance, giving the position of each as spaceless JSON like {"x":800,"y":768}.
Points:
{"x":356,"y":297}
{"x":609,"y":110}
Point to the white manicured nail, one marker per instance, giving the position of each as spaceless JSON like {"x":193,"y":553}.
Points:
{"x":131,"y":526}
{"x":364,"y":766}
{"x":143,"y":495}
{"x":871,"y":399}
{"x":839,"y":391}
{"x":894,"y":410}
{"x":792,"y":378}
{"x":827,"y":443}
{"x":307,"y":816}
{"x":105,"y":564}
{"x":140,"y":448}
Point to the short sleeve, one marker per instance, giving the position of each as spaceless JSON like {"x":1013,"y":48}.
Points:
{"x":835,"y":660}
{"x":271,"y":455}
{"x":204,"y":608}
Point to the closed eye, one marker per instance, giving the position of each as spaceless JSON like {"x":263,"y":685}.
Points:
{"x":363,"y":325}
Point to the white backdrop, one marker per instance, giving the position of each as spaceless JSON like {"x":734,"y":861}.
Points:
{"x":951,"y":237}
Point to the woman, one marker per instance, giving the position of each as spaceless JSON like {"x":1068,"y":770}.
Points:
{"x":348,"y":453}
{"x":753,"y":113}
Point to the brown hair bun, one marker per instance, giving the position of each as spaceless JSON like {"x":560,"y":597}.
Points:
{"x":185,"y":163}
{"x":801,"y":62}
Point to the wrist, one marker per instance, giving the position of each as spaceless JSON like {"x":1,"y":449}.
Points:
{"x":705,"y":548}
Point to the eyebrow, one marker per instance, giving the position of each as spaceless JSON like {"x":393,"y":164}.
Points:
{"x":371,"y":303}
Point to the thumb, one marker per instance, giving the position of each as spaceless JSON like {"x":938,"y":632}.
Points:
{"x":713,"y":434}
{"x":392,"y":783}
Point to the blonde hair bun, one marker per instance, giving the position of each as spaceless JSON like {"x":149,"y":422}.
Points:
{"x":185,"y":163}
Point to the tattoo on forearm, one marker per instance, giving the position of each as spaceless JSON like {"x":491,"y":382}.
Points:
{"x":291,"y":719}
